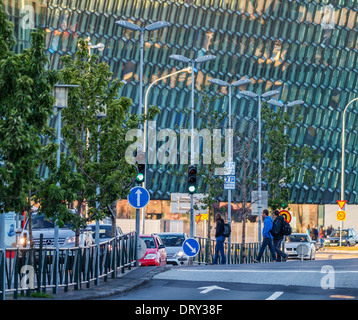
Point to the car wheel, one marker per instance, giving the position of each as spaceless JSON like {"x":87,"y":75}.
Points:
{"x":348,"y":244}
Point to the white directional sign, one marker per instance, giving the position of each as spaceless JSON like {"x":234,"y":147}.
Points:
{"x":255,"y":201}
{"x":180,"y":203}
{"x":138,"y":197}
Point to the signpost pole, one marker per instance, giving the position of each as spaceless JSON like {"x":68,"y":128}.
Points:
{"x":138,"y":198}
{"x":137,"y":218}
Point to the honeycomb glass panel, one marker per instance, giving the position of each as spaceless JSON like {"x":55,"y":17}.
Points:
{"x":306,"y":49}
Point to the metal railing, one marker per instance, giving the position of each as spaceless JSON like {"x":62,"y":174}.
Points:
{"x":238,"y":253}
{"x":26,"y":271}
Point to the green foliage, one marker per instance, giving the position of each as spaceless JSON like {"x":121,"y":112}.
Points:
{"x":297,"y":159}
{"x":7,"y":40}
{"x":94,"y":147}
{"x":25,"y":105}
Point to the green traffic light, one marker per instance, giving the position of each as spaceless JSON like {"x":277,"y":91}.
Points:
{"x":140,"y":177}
{"x":192,"y":189}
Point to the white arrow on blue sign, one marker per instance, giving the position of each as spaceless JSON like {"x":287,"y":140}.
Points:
{"x":138,"y":197}
{"x":191,"y":247}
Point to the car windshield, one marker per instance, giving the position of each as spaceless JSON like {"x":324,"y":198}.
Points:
{"x":336,"y":233}
{"x":41,"y":222}
{"x":172,"y":240}
{"x":297,"y":238}
{"x":104,"y":231}
{"x":149,"y":242}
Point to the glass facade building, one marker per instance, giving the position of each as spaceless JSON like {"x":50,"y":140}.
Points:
{"x":305,"y":49}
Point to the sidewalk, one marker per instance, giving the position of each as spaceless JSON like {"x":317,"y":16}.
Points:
{"x":124,"y":283}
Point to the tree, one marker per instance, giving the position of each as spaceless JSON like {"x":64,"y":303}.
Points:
{"x":246,"y":177}
{"x":25,"y":105}
{"x":284,"y":161}
{"x":95,"y":147}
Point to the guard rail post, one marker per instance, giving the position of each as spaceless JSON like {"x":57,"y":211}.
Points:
{"x":2,"y":275}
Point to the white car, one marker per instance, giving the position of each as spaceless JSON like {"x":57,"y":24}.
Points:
{"x":105,"y":231}
{"x":173,"y":242}
{"x":41,"y":225}
{"x":293,"y":241}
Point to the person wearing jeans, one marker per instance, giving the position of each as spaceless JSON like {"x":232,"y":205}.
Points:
{"x":267,"y":237}
{"x":220,"y":239}
{"x":278,"y":236}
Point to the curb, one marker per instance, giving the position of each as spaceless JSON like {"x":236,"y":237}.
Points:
{"x":124,"y":288}
{"x":337,"y":251}
{"x":112,"y":287}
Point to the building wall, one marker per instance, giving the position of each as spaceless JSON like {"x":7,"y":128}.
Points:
{"x":304,"y":49}
{"x":351,"y":216}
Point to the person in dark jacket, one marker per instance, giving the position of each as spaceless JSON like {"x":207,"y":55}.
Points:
{"x":220,"y":239}
{"x":278,"y":236}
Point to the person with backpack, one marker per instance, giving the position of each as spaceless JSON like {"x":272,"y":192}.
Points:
{"x":277,"y":234}
{"x":220,"y":239}
{"x":267,"y":237}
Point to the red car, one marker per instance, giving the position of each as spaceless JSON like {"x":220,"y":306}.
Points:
{"x":156,"y":254}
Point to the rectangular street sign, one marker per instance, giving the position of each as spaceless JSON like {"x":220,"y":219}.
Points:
{"x":255,"y":201}
{"x":229,"y":183}
{"x":229,"y":168}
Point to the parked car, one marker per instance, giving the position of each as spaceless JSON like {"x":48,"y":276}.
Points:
{"x":105,"y":231}
{"x":173,"y":242}
{"x":294,"y":240}
{"x":46,"y":227}
{"x":156,"y":254}
{"x":349,"y":238}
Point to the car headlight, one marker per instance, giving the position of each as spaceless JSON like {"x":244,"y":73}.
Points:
{"x":180,"y":254}
{"x":150,"y":256}
{"x":344,"y":240}
{"x":71,"y":240}
{"x":22,"y":241}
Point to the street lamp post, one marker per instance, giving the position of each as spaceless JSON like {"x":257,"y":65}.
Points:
{"x":99,"y":116}
{"x":230,"y":158}
{"x":343,"y":164}
{"x":133,"y":27}
{"x":265,"y":95}
{"x":285,"y":105}
{"x":202,"y":59}
{"x":60,"y":93}
{"x":144,"y":184}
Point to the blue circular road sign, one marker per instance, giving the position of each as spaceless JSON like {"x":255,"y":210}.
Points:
{"x":191,"y":247}
{"x":138,"y":197}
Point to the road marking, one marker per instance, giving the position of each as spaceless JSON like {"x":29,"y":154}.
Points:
{"x":342,"y":297}
{"x":266,"y":270}
{"x":210,"y":288}
{"x":275,"y":295}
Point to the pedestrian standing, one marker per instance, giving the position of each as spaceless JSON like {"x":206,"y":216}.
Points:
{"x":278,"y":236}
{"x":314,"y":233}
{"x":308,"y":230}
{"x":321,"y":236}
{"x":220,"y":239}
{"x":267,"y":237}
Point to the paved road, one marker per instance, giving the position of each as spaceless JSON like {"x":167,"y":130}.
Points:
{"x":294,"y":280}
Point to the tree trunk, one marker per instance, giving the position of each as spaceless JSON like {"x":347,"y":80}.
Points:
{"x":29,"y":214}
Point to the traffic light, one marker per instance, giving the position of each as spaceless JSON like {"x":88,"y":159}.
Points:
{"x":192,"y":179}
{"x":285,"y":197}
{"x":141,"y":173}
